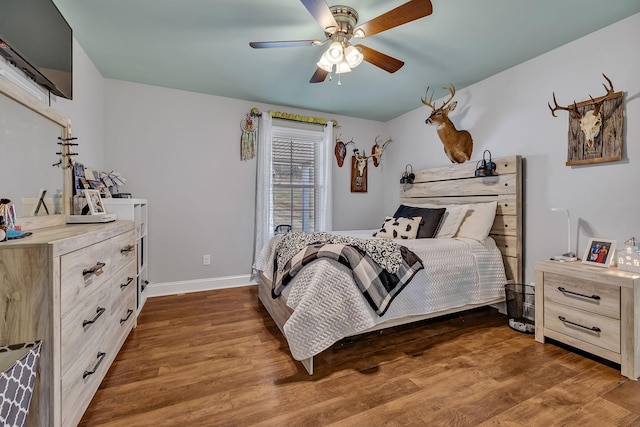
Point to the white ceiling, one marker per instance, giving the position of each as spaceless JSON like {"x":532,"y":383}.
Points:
{"x":203,"y":46}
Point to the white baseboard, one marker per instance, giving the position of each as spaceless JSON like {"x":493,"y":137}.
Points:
{"x":183,"y":287}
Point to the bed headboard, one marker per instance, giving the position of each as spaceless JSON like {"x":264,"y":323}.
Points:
{"x":456,"y":184}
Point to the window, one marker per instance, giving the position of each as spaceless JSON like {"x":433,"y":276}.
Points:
{"x":294,"y":180}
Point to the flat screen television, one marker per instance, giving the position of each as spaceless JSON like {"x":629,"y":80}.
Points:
{"x":38,"y":40}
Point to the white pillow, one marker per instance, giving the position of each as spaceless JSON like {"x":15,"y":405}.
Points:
{"x":451,"y":220}
{"x":478,"y":221}
{"x":399,"y":228}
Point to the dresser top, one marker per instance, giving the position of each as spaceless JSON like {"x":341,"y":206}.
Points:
{"x":70,"y":237}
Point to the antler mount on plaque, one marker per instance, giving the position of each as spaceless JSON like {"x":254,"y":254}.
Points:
{"x":595,"y":134}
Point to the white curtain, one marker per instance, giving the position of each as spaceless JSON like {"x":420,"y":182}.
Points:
{"x":264,"y":226}
{"x":263,"y":219}
{"x":325,"y":211}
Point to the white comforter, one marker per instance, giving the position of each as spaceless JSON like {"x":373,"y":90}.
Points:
{"x":327,"y":305}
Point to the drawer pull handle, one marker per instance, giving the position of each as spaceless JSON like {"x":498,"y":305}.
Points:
{"x":129,"y":313}
{"x":593,"y":328}
{"x":124,"y":285}
{"x":99,"y":312}
{"x":96,"y":269}
{"x":127,"y":249}
{"x":101,"y":356}
{"x":564,"y":291}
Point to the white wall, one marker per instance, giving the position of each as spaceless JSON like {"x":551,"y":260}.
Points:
{"x":86,"y":109}
{"x":181,"y":151}
{"x":508,"y":114}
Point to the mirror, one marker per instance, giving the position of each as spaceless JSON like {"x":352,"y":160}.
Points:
{"x":29,"y":132}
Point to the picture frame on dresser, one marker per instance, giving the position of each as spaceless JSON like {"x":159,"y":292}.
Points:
{"x":599,"y":252}
{"x":94,"y":202}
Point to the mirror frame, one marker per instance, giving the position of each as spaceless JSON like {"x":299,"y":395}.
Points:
{"x":22,"y":97}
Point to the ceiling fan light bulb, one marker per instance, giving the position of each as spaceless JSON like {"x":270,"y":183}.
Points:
{"x":353,"y":56}
{"x":335,"y":53}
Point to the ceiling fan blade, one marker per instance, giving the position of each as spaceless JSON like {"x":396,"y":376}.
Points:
{"x":380,"y":60}
{"x":290,"y":43}
{"x":321,"y":12}
{"x":319,"y":76}
{"x":410,"y":11}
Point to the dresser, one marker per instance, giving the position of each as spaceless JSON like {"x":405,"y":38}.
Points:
{"x":594,"y":309}
{"x":73,"y":287}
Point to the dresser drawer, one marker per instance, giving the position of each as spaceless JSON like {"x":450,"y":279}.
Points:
{"x":85,"y":270}
{"x":123,"y":250}
{"x":123,"y":304}
{"x":83,"y":326}
{"x":81,"y":381}
{"x":582,"y":294}
{"x":601,"y":331}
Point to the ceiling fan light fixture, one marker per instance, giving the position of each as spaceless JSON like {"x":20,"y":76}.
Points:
{"x":359,"y":33}
{"x":353,"y":56}
{"x":335,"y":53}
{"x":324,"y":63}
{"x":343,"y":67}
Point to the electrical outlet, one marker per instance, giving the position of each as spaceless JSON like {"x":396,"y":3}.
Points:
{"x":206,"y":259}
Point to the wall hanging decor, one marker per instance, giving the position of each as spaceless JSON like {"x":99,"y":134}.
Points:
{"x":595,"y":127}
{"x":458,"y":144}
{"x":358,"y":173}
{"x":340,"y":150}
{"x":248,"y":140}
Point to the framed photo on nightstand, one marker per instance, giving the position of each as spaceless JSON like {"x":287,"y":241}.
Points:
{"x":599,"y":252}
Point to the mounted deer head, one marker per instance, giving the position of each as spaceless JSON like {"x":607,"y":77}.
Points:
{"x":458,"y":144}
{"x":591,"y":121}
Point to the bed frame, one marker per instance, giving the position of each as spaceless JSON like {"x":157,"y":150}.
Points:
{"x":454,"y":184}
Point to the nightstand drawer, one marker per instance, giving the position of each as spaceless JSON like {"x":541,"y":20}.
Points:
{"x":582,"y":294}
{"x":601,"y":331}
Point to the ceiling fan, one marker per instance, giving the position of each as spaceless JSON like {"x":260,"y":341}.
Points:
{"x":340,"y":25}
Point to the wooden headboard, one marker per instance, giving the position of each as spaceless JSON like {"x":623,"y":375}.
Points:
{"x":456,"y":184}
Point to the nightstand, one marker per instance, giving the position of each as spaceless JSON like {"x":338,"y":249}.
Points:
{"x":590,"y":308}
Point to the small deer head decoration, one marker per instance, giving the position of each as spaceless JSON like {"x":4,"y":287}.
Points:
{"x":591,"y":121}
{"x":376,"y":153}
{"x":458,"y":144}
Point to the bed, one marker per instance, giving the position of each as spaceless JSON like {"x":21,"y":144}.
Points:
{"x":321,"y":304}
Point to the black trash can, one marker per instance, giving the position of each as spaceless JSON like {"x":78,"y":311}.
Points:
{"x":521,"y":307}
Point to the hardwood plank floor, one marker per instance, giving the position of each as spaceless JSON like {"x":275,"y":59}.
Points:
{"x":217,"y":359}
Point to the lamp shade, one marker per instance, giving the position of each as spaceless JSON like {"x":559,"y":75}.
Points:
{"x":335,"y":53}
{"x":343,"y":67}
{"x":324,"y":63}
{"x":353,"y":56}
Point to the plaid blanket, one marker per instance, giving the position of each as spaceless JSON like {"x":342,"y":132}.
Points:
{"x":378,"y":285}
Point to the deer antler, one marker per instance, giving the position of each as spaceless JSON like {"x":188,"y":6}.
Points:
{"x":598,"y":103}
{"x":573,"y":110}
{"x":450,"y":88}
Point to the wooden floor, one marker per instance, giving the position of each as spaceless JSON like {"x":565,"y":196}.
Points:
{"x":217,"y":359}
